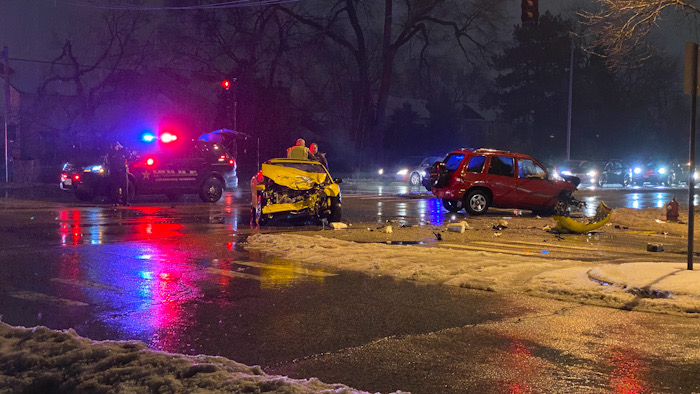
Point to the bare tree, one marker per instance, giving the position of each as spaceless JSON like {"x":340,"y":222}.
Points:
{"x":373,"y":37}
{"x":620,"y":28}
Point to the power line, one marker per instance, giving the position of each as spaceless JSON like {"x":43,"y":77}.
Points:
{"x":220,"y":5}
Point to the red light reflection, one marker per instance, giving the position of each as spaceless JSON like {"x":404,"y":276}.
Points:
{"x":523,"y":364}
{"x":70,"y":228}
{"x":626,"y":377}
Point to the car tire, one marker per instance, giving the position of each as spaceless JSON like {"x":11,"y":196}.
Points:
{"x":477,"y":202}
{"x":336,"y":210}
{"x":626,"y":181}
{"x":415,"y":179}
{"x":84,"y":196}
{"x":258,"y":216}
{"x":211,"y":190}
{"x":602,"y":180}
{"x":670,"y":179}
{"x":452,"y":206}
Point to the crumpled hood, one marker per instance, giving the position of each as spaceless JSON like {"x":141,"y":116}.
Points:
{"x":292,"y":178}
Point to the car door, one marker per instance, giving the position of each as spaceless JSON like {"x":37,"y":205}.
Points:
{"x":182,"y":169}
{"x":619,"y":172}
{"x":500,"y":178}
{"x":534,"y":189}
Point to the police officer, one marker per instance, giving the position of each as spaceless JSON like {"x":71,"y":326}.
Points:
{"x":118,"y":168}
{"x":314,"y":154}
{"x":299,"y":151}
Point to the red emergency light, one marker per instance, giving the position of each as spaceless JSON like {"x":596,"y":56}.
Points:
{"x":150,"y":162}
{"x":167,"y":137}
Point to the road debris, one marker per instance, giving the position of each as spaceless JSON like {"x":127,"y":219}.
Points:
{"x":567,"y":224}
{"x":652,"y":247}
{"x":458,"y":227}
{"x":338,"y":225}
{"x":385,"y":229}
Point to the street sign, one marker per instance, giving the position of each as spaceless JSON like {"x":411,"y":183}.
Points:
{"x":690,"y":49}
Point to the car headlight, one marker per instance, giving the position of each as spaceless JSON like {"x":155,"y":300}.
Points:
{"x":695,"y":176}
{"x":381,"y":171}
{"x":566,"y":173}
{"x":402,"y":172}
{"x":592,"y":173}
{"x":637,"y":170}
{"x":662,"y":170}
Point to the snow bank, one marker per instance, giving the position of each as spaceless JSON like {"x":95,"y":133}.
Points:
{"x":43,"y":360}
{"x":645,"y":286}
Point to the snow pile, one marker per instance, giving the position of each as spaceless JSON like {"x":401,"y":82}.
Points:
{"x":465,"y":268}
{"x":646,"y":286}
{"x":42,"y":360}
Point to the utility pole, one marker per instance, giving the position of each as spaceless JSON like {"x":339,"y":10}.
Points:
{"x":571,"y":88}
{"x":690,"y":85}
{"x":6,"y":71}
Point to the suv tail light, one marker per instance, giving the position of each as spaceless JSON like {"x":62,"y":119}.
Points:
{"x":232,"y":162}
{"x":76,"y":177}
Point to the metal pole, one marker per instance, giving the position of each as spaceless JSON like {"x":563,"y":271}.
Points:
{"x":568,"y":118}
{"x":691,"y":176}
{"x":6,"y":69}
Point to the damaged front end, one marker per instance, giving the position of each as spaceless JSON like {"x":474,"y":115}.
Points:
{"x":292,"y":188}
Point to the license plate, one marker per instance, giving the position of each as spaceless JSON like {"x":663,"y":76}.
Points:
{"x":68,"y":182}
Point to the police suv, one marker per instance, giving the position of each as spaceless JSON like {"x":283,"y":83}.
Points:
{"x":172,"y":169}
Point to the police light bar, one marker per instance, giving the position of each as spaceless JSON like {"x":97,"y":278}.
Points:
{"x":167,"y":137}
{"x":148,"y":137}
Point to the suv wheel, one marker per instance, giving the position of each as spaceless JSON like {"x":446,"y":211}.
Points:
{"x":452,"y":205}
{"x":211,"y":190}
{"x":477,"y":202}
{"x":415,"y":179}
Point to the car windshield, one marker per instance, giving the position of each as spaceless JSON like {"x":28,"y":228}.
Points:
{"x":307,"y":167}
{"x":589,"y":165}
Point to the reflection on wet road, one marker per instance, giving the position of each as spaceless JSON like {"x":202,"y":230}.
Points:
{"x":177,"y":278}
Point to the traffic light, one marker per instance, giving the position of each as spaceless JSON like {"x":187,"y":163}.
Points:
{"x":530,"y":13}
{"x":226,"y":84}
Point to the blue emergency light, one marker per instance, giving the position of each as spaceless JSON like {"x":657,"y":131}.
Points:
{"x":148,"y":137}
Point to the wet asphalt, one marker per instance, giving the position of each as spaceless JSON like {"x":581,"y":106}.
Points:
{"x":176,"y":276}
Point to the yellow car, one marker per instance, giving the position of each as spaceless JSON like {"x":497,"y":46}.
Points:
{"x":287,"y":188}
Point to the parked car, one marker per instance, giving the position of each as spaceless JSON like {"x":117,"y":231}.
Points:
{"x":478,"y":179}
{"x":615,"y":172}
{"x":287,"y":188}
{"x":190,"y":167}
{"x":659,"y":171}
{"x":412,"y":169}
{"x":588,"y":171}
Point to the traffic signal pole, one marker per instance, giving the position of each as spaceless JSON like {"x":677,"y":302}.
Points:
{"x":6,"y":69}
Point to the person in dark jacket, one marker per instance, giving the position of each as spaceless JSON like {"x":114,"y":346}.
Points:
{"x":117,"y":165}
{"x":315,"y":155}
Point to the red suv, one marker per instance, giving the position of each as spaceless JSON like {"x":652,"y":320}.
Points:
{"x":478,"y":179}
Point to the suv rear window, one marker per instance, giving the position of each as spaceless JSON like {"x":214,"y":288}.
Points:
{"x":501,"y":165}
{"x":476,"y":164}
{"x":453,"y":160}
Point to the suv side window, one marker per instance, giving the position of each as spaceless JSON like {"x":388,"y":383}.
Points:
{"x":528,"y":168}
{"x":501,"y":165}
{"x":452,"y":161}
{"x":476,"y":164}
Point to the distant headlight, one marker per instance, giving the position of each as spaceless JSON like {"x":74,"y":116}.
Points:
{"x":637,"y":170}
{"x":695,"y":176}
{"x":566,"y":172}
{"x":402,"y":172}
{"x":381,"y":171}
{"x":592,"y":173}
{"x":662,"y":170}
